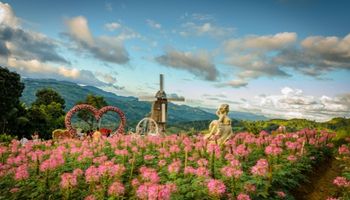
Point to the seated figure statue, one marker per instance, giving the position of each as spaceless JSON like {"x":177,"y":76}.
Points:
{"x":221,"y":129}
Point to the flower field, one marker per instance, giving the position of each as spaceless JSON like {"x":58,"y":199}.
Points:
{"x":343,"y":181}
{"x":248,"y":166}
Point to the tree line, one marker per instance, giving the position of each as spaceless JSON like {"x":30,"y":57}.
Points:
{"x":43,"y":116}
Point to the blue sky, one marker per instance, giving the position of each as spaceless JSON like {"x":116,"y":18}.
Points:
{"x":279,"y":58}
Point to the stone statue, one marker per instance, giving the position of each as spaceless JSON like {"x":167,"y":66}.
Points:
{"x":220,"y":130}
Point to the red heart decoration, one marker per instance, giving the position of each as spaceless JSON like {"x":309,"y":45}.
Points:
{"x":97,"y":113}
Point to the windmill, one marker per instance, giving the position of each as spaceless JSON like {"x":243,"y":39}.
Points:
{"x":160,"y":105}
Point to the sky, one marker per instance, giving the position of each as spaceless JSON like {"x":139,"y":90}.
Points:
{"x":278,"y":58}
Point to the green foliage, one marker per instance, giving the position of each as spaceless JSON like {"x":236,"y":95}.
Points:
{"x":10,"y":91}
{"x":46,"y":114}
{"x":5,"y":138}
{"x":85,"y":115}
{"x":46,"y":96}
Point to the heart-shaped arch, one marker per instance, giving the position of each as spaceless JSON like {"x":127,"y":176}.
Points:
{"x":97,"y":113}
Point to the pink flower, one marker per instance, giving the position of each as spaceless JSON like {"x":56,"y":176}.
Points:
{"x":235,"y":163}
{"x":273,"y":150}
{"x":230,"y":171}
{"x":202,"y":171}
{"x":14,"y":190}
{"x":155,"y":191}
{"x":202,"y":162}
{"x":241,"y":151}
{"x":78,"y":172}
{"x":341,"y":182}
{"x":332,"y":198}
{"x":68,"y":180}
{"x":99,"y":160}
{"x":135,"y":182}
{"x":260,"y":168}
{"x":189,"y":170}
{"x":174,"y":149}
{"x":116,"y":189}
{"x":92,"y":174}
{"x":292,"y":158}
{"x":343,"y":150}
{"x":21,"y":172}
{"x":281,"y":194}
{"x":161,"y":163}
{"x":174,"y":167}
{"x":214,"y":148}
{"x":149,"y":174}
{"x":242,"y":196}
{"x":90,"y":197}
{"x":52,"y":163}
{"x":216,"y":187}
{"x":148,"y":157}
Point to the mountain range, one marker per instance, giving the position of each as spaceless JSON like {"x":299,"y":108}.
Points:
{"x":134,"y":110}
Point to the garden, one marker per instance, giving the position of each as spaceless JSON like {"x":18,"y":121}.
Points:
{"x":248,"y":166}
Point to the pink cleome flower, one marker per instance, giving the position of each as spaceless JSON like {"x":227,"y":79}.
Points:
{"x":242,"y":196}
{"x":152,"y":191}
{"x":216,"y":187}
{"x":341,"y":182}
{"x":149,"y":174}
{"x":260,"y":168}
{"x":292,"y":158}
{"x":68,"y":180}
{"x":21,"y":172}
{"x":281,"y":194}
{"x":148,"y":157}
{"x":116,"y":189}
{"x":174,"y":167}
{"x":274,"y":150}
{"x":90,"y":197}
{"x":343,"y":150}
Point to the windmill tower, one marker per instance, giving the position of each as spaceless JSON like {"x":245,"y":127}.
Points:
{"x":160,"y":105}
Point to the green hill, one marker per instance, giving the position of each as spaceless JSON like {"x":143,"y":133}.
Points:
{"x":133,"y":109}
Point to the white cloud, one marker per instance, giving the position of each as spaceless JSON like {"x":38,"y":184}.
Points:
{"x":153,"y":24}
{"x":35,"y":55}
{"x":78,"y":28}
{"x":36,"y":67}
{"x":293,"y":103}
{"x":265,"y":42}
{"x":105,"y":48}
{"x":204,"y":28}
{"x":199,"y":64}
{"x":112,"y":26}
{"x":7,"y":16}
{"x":272,"y":55}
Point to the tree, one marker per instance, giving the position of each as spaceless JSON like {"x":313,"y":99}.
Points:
{"x":46,"y":96}
{"x":46,"y":113}
{"x":96,"y":101}
{"x":10,"y":91}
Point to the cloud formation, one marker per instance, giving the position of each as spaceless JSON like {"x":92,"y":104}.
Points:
{"x":15,"y":41}
{"x":35,"y":55}
{"x":273,"y":55}
{"x":153,"y":24}
{"x":199,"y":64}
{"x":202,"y":29}
{"x":293,"y":103}
{"x":112,"y":26}
{"x":105,"y":48}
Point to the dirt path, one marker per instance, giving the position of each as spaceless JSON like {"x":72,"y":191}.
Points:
{"x":320,"y":186}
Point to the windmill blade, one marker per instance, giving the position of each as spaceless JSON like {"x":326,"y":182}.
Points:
{"x":176,"y":99}
{"x":147,"y":98}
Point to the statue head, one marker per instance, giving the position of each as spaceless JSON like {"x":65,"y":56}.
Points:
{"x":223,"y":109}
